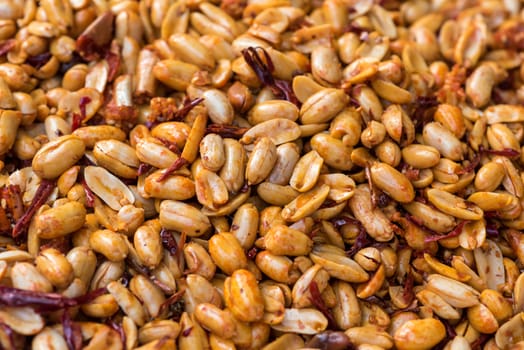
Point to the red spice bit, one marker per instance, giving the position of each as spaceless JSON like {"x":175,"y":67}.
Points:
{"x":229,"y":131}
{"x":177,"y":164}
{"x":90,"y":196}
{"x":492,"y":229}
{"x":377,"y":301}
{"x":407,"y":290}
{"x":412,"y":174}
{"x":162,"y":109}
{"x":354,"y":28}
{"x":454,"y":233}
{"x":39,"y":61}
{"x":6,"y":46}
{"x":62,"y":244}
{"x":178,"y":255}
{"x":423,"y":110}
{"x":471,"y":166}
{"x":478,"y":344}
{"x":42,"y":193}
{"x":94,"y":41}
{"x":378,"y":198}
{"x":314,"y":232}
{"x":187,"y":332}
{"x":77,"y":121}
{"x":171,"y":145}
{"x":44,"y":302}
{"x":506,"y":152}
{"x":168,"y":241}
{"x":187,"y":106}
{"x":451,"y":91}
{"x":12,"y":195}
{"x":318,"y":302}
{"x":72,"y":332}
{"x":143,"y":168}
{"x":122,"y":116}
{"x":415,"y":309}
{"x":417,"y":221}
{"x":510,"y":36}
{"x":244,"y":188}
{"x":84,"y":101}
{"x":113,"y":60}
{"x":263,"y":68}
{"x":252,"y":253}
{"x":172,"y":300}
{"x":361,"y":242}
{"x":117,"y":326}
{"x":492,"y":214}
{"x":328,"y":203}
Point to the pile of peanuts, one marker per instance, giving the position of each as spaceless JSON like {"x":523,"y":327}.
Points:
{"x":261,"y":174}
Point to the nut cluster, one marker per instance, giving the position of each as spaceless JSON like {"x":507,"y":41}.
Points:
{"x":261,"y":174}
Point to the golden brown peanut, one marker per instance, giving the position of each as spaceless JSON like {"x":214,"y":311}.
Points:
{"x":199,"y":260}
{"x":261,"y":161}
{"x":419,"y":334}
{"x":212,"y":152}
{"x":55,"y":267}
{"x":211,"y":191}
{"x":60,"y":221}
{"x":148,"y":246}
{"x":174,"y":187}
{"x":57,"y":156}
{"x":128,"y":302}
{"x":110,"y":244}
{"x":279,"y":268}
{"x":283,"y":240}
{"x":333,"y":151}
{"x":443,"y":140}
{"x":421,"y":156}
{"x":227,"y":253}
{"x":374,"y":220}
{"x":242,"y":296}
{"x":245,"y":225}
{"x":233,"y":170}
{"x":303,"y":145}
{"x":175,"y":215}
{"x":306,"y":172}
{"x":393,"y":182}
{"x":146,"y":290}
{"x":103,"y":306}
{"x":215,"y":320}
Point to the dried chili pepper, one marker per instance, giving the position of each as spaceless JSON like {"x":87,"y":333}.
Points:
{"x":90,"y":196}
{"x":169,"y":242}
{"x":172,"y":300}
{"x":177,"y":164}
{"x":453,"y":233}
{"x":263,"y":68}
{"x":39,"y":61}
{"x":318,"y":302}
{"x":72,"y":332}
{"x":42,"y":193}
{"x":116,"y":326}
{"x":44,"y":302}
{"x":230,"y":131}
{"x":361,"y":241}
{"x":6,"y":46}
